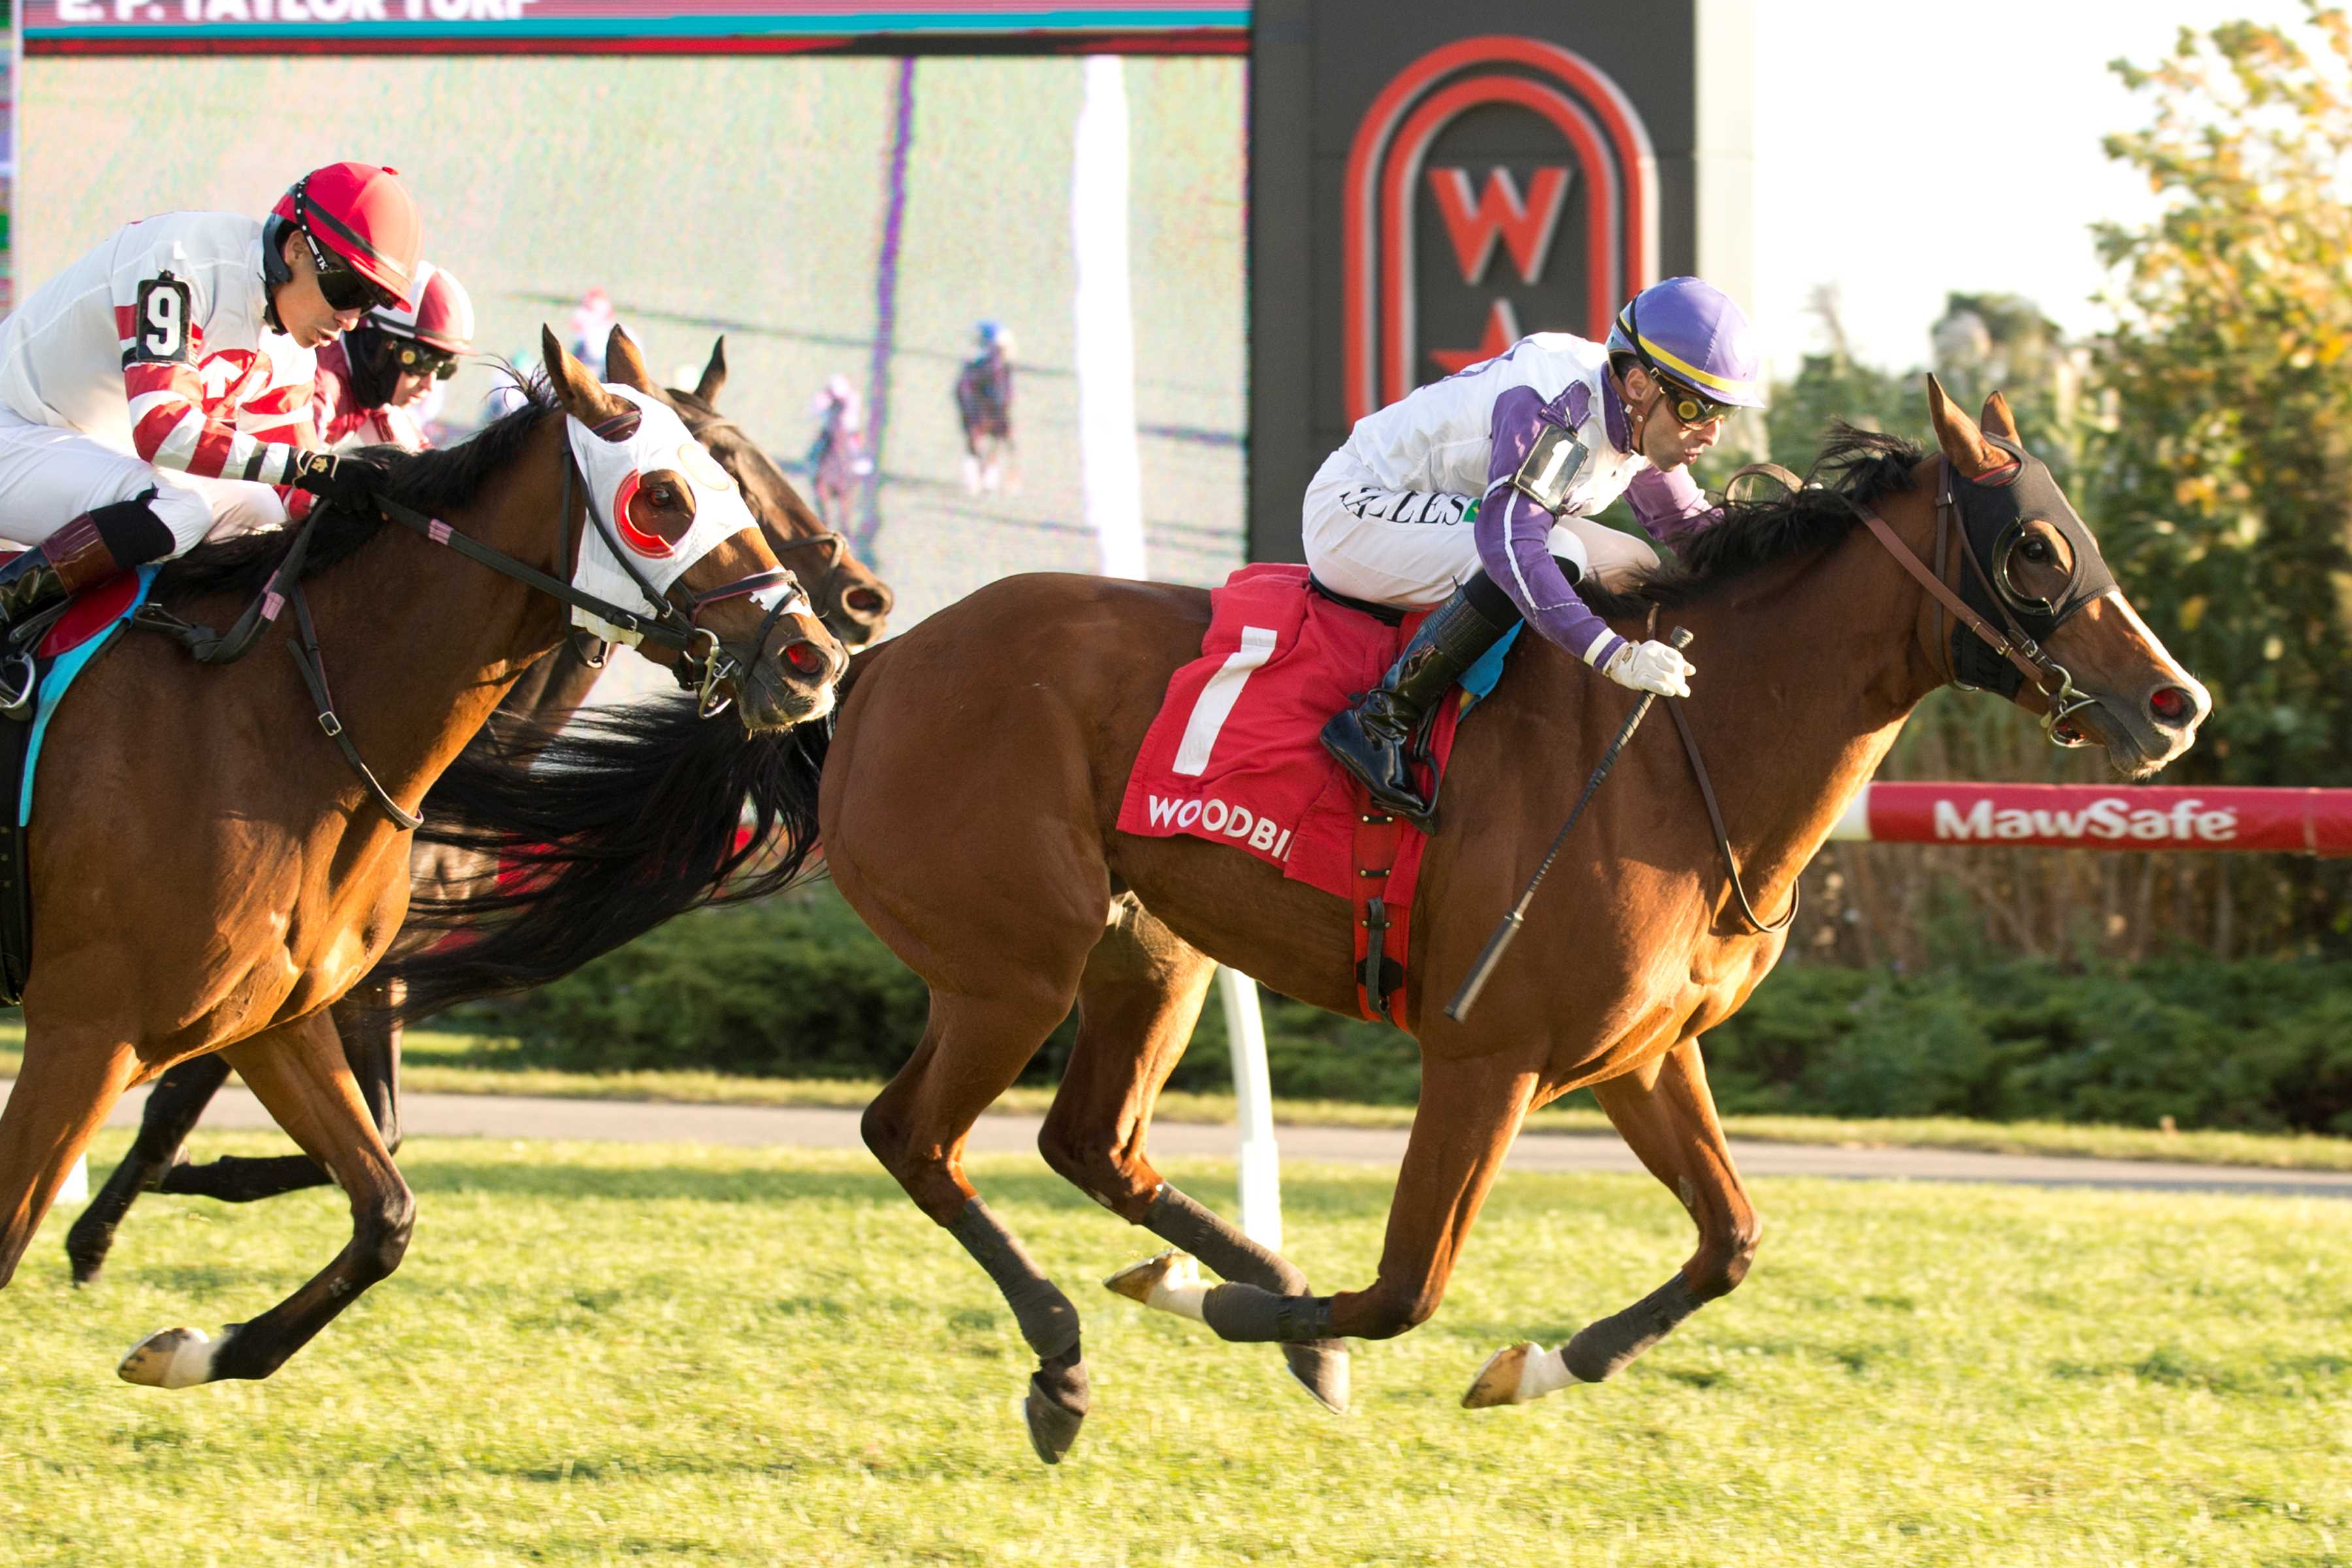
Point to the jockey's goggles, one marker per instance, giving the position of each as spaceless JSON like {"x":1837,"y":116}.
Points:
{"x":416,"y":359}
{"x":342,"y":287}
{"x":1687,"y":406}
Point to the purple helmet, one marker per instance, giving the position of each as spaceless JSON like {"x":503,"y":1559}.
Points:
{"x":1688,"y":330}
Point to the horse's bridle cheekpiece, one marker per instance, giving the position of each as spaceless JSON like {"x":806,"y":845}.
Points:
{"x":1995,"y":514}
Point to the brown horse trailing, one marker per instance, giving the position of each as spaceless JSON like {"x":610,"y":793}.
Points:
{"x":851,"y":602}
{"x":207,"y":881}
{"x":970,"y":786}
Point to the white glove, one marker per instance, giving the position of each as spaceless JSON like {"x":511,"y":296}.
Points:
{"x":1650,"y":667}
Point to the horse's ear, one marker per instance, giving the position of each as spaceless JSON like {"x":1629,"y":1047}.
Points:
{"x":714,"y":374}
{"x":626,"y":365}
{"x":582,"y":395}
{"x":1996,"y":421}
{"x":1957,"y":435}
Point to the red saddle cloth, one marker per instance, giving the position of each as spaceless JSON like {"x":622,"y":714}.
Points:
{"x":93,"y":610}
{"x":1235,"y":757}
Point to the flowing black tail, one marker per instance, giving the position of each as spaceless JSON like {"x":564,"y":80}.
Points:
{"x":633,"y":816}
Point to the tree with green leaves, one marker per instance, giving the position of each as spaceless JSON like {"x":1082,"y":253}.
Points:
{"x":2224,"y":477}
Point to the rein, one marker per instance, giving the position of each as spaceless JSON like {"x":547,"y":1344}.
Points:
{"x":671,"y":626}
{"x":2016,"y":645}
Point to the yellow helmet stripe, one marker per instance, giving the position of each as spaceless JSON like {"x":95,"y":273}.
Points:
{"x":1697,"y":377}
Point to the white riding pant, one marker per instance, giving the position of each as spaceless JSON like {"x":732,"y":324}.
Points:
{"x":50,"y":475}
{"x":1413,"y":548}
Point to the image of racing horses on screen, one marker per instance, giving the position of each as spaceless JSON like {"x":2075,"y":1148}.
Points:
{"x":206,"y":879}
{"x":970,"y":794}
{"x":849,"y":599}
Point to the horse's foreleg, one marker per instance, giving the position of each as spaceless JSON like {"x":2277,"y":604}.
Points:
{"x":64,"y":1089}
{"x":172,"y":1108}
{"x":1138,"y":1003}
{"x":1469,"y":1113}
{"x":1666,"y":1116}
{"x":298,"y":1073}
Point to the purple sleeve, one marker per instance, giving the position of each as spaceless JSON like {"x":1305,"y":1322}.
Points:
{"x":1513,"y":540}
{"x":1669,"y":505}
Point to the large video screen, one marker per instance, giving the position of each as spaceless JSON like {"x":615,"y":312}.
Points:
{"x":850,"y":219}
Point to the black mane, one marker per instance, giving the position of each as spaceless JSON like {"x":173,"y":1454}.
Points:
{"x":1856,"y":468}
{"x":431,"y":482}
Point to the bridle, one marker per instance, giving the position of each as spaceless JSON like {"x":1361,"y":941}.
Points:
{"x":674,"y":624}
{"x":703,"y":666}
{"x":2003,"y":660}
{"x":828,"y":593}
{"x":2020,"y":645}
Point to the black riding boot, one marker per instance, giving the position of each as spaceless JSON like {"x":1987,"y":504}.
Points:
{"x":1373,"y":740}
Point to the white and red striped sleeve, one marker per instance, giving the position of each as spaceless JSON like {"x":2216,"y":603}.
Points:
{"x":162,"y":342}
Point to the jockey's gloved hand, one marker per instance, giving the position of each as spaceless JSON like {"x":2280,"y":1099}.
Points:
{"x":1650,"y":667}
{"x":344,"y":480}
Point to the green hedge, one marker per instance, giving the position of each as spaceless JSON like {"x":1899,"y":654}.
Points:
{"x":796,"y":987}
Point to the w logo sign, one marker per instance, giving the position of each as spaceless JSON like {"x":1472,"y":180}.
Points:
{"x":1460,"y":181}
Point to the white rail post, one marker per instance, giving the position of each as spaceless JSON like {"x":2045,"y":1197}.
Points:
{"x":1261,"y":1166}
{"x":77,"y":1187}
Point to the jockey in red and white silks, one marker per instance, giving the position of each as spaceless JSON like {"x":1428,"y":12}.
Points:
{"x":374,"y":380}
{"x":1474,"y":494}
{"x":170,"y":357}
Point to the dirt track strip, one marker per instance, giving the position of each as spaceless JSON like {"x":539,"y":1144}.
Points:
{"x":635,"y":1122}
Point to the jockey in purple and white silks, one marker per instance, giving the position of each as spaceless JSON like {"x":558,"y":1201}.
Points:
{"x":1474,"y":494}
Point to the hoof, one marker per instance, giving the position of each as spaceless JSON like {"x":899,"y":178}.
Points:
{"x":1525,"y":1371}
{"x":1321,"y":1368}
{"x":86,"y":1250}
{"x":176,"y":1358}
{"x":1055,"y":1408}
{"x":1136,"y":1281}
{"x":1171,"y":1282}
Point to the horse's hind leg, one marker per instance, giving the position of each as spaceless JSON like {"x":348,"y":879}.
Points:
{"x":370,"y":1039}
{"x":1666,"y":1116}
{"x":63,"y":1093}
{"x":1138,"y":1003}
{"x":174,"y":1107}
{"x":298,"y":1073}
{"x":972,"y":1049}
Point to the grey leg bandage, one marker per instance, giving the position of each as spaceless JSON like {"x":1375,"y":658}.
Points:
{"x":1256,"y":1316}
{"x":1047,"y":1320}
{"x":1185,"y":1225}
{"x":1609,"y":1345}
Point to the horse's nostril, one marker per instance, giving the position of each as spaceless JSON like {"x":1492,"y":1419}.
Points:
{"x":807,"y":657}
{"x":2170,"y":704}
{"x":865,"y":602}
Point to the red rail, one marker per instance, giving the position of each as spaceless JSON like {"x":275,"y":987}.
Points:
{"x":2090,"y":816}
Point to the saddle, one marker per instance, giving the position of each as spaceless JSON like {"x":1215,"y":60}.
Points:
{"x":1235,"y":757}
{"x":40,"y":659}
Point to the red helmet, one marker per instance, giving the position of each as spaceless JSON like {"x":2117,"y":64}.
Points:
{"x":441,"y":316}
{"x":363,"y":215}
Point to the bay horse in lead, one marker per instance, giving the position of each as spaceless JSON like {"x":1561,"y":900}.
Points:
{"x":967,"y":795}
{"x":1013,"y":897}
{"x":207,"y":879}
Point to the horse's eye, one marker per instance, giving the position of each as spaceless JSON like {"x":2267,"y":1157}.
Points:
{"x":2037,"y":550}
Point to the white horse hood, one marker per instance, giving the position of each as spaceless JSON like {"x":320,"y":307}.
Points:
{"x":613,"y":470}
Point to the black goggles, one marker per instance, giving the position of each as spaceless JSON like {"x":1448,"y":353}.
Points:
{"x":342,"y":287}
{"x":416,"y":359}
{"x":1687,"y":406}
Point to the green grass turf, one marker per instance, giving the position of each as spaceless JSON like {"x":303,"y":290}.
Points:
{"x":600,"y":1353}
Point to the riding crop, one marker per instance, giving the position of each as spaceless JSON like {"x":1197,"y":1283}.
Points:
{"x":1467,"y":996}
